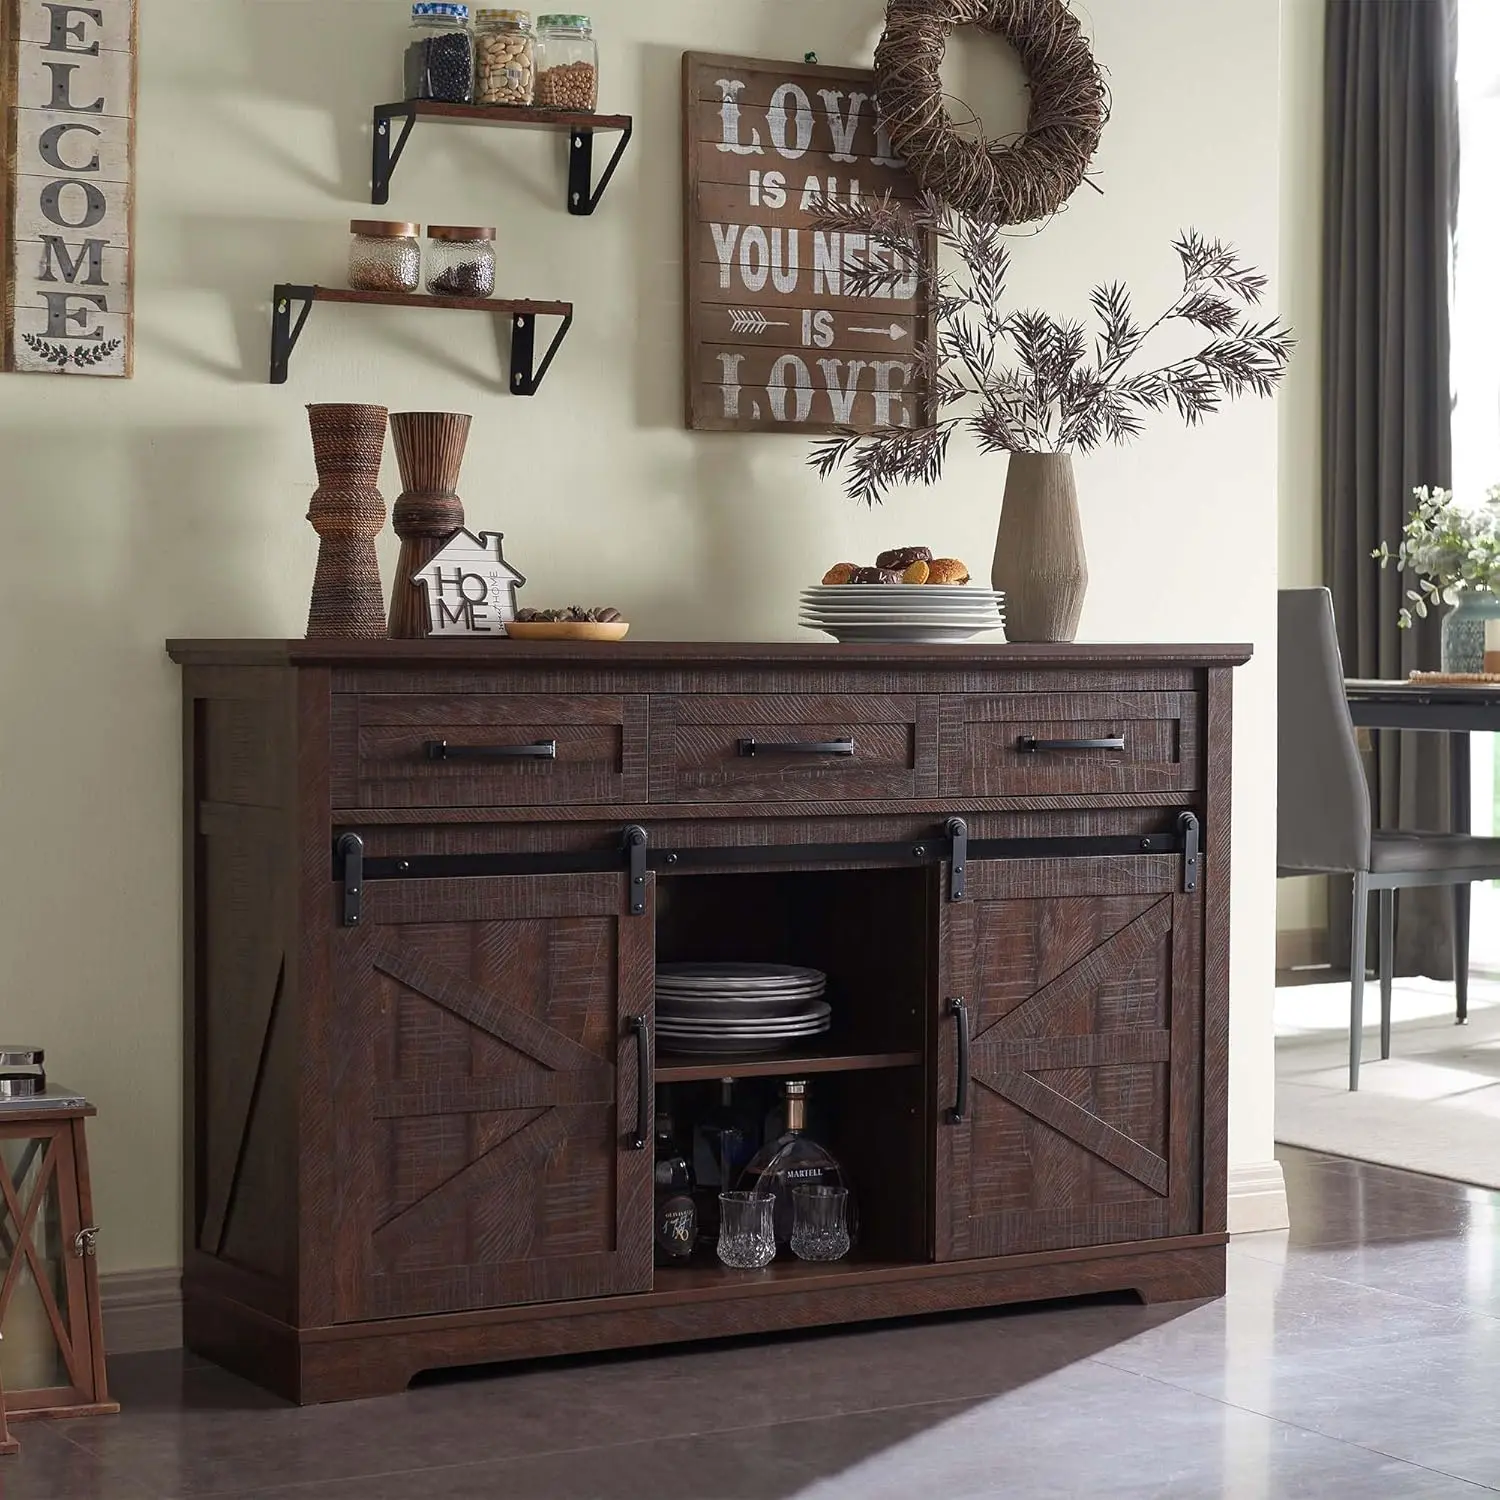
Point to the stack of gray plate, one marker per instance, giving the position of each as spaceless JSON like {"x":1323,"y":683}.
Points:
{"x":730,"y":1007}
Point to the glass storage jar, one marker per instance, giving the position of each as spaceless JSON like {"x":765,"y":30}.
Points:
{"x":567,"y":63}
{"x":460,"y":260}
{"x":440,"y":55}
{"x":504,"y":57}
{"x":384,"y":256}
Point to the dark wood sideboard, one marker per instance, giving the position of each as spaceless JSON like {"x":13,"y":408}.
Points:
{"x":426,"y":883}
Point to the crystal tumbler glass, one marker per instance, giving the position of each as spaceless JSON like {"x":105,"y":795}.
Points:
{"x":820,"y":1229}
{"x":747,"y":1232}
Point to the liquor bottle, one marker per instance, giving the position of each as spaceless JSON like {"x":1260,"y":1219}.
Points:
{"x":676,"y":1214}
{"x":792,"y":1159}
{"x":723,"y":1142}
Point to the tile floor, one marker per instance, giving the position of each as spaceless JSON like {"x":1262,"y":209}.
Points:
{"x":1357,"y":1356}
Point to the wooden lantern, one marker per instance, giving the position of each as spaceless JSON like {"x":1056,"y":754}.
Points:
{"x":52,"y":1353}
{"x":8,"y":1444}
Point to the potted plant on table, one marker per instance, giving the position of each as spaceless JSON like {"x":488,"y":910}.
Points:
{"x":1033,"y":386}
{"x":1453,"y":549}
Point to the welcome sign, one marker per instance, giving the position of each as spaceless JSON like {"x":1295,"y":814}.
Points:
{"x":69,"y":136}
{"x":776,"y":340}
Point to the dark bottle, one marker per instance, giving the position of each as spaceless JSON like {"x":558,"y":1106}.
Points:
{"x":792,"y":1160}
{"x":676,"y":1213}
{"x":723,"y":1142}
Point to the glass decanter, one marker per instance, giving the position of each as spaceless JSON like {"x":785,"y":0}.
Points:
{"x":792,"y":1160}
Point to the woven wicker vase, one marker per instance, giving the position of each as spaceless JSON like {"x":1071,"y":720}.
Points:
{"x":1039,"y":559}
{"x":347,"y":512}
{"x":430,"y":450}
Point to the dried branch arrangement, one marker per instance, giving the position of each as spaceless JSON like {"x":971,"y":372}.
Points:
{"x":1029,"y":382}
{"x":1008,"y":182}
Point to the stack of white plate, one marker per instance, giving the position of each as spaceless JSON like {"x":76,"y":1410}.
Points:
{"x":732,"y":1007}
{"x":924,"y":613}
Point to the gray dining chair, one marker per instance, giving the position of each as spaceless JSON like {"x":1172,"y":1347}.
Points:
{"x":1323,"y":804}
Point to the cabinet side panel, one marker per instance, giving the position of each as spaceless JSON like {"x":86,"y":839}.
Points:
{"x":1216,"y":956}
{"x":241,"y":1152}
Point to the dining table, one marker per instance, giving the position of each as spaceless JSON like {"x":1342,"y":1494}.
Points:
{"x":1457,"y":709}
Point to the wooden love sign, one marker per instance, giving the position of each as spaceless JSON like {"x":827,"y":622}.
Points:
{"x":67,"y":86}
{"x":775,"y":342}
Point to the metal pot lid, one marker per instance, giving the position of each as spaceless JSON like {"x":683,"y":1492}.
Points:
{"x":18,"y":1056}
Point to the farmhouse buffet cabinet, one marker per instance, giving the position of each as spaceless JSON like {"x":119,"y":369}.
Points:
{"x":426,"y":886}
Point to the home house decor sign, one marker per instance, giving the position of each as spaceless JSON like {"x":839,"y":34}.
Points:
{"x":777,"y":338}
{"x":68,"y":96}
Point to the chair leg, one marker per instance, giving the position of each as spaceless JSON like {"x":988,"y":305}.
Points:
{"x":1461,"y":951}
{"x":1357,"y":974}
{"x":1387,"y":967}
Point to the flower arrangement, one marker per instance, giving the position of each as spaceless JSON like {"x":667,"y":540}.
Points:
{"x":1451,"y":548}
{"x":1031,"y":382}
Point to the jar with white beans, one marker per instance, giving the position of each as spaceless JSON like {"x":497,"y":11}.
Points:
{"x":505,"y":61}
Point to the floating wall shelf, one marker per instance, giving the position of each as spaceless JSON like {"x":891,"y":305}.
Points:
{"x":525,"y":377}
{"x":583,"y":196}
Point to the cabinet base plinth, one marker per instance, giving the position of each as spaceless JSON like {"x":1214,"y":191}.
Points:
{"x":356,"y":1360}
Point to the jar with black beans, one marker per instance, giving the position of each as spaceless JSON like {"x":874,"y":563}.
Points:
{"x":440,"y":55}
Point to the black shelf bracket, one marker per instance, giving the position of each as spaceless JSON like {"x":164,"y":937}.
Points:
{"x":285,"y":332}
{"x":524,"y":380}
{"x":583,"y":196}
{"x":386,"y":147}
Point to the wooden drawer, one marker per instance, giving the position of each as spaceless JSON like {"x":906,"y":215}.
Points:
{"x":383,"y":755}
{"x":775,"y":747}
{"x":1018,"y":744}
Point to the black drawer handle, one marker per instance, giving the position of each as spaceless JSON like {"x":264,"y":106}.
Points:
{"x":539,"y":750}
{"x":1028,"y":744}
{"x":960,"y":1013}
{"x":752,"y":747}
{"x":644,"y":1096}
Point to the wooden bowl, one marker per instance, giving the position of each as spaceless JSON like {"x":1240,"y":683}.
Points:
{"x":567,"y":630}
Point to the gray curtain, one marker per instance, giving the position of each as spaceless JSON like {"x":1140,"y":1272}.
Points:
{"x":1391,"y":175}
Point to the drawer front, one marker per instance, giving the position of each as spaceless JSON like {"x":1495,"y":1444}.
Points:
{"x":1056,"y":744}
{"x":792,"y":748}
{"x":495,"y":749}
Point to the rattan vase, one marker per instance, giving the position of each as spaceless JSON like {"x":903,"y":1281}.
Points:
{"x":347,"y":511}
{"x":1039,"y":559}
{"x":430,"y":451}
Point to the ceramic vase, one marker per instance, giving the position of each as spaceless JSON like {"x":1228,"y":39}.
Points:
{"x":430,"y":451}
{"x":1039,"y":557}
{"x":1464,"y":633}
{"x":347,"y":511}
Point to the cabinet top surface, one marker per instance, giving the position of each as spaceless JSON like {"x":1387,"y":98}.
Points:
{"x":505,"y":653}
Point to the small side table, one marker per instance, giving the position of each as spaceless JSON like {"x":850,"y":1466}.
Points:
{"x":52,"y":1354}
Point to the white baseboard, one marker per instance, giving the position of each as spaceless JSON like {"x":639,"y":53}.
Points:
{"x":142,"y":1310}
{"x":1257,"y":1198}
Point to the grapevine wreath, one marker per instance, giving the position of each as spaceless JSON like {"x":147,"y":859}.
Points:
{"x":1007,"y":184}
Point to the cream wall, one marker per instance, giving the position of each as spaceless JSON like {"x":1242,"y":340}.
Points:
{"x":173,"y":504}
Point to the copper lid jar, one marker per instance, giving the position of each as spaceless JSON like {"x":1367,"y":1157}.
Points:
{"x":460,"y":260}
{"x":385,"y":255}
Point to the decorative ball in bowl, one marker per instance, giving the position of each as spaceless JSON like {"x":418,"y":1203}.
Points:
{"x":572,"y":624}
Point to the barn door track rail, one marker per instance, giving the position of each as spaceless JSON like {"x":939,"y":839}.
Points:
{"x":525,"y":373}
{"x":387,"y":143}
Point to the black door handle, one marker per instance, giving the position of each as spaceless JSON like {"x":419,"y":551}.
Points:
{"x":960,"y":1013}
{"x":1028,"y":744}
{"x":537,"y":750}
{"x":752,"y":747}
{"x":644,"y":1096}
